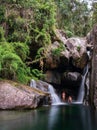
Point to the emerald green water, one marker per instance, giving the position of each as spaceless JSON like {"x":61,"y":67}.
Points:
{"x":64,"y":117}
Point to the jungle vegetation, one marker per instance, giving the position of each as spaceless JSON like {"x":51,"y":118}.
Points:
{"x":27,"y":28}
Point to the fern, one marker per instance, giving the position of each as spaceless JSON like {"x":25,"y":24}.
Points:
{"x":24,"y":75}
{"x":40,"y":53}
{"x":11,"y":62}
{"x":37,"y":74}
{"x":21,"y":49}
{"x":9,"y":56}
{"x":2,"y":38}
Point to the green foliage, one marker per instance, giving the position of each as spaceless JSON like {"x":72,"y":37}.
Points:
{"x":11,"y":64}
{"x":45,"y":13}
{"x":69,"y":33}
{"x":23,"y":74}
{"x":34,"y":25}
{"x":21,"y":49}
{"x":2,"y":38}
{"x":78,"y":48}
{"x":17,"y":28}
{"x":94,"y":8}
{"x":37,"y":74}
{"x":23,"y":3}
{"x":2,"y":13}
{"x":28,"y":21}
{"x":26,"y":30}
{"x":74,"y":16}
{"x":40,"y":53}
{"x":57,"y":51}
{"x":44,"y":16}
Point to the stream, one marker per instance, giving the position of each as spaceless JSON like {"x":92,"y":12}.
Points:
{"x":58,"y":117}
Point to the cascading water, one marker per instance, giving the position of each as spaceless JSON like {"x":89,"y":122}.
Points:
{"x":82,"y":88}
{"x":55,"y":99}
{"x":33,"y":83}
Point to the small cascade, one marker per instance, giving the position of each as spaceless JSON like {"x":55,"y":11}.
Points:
{"x":33,"y":83}
{"x":82,"y":88}
{"x":55,"y":99}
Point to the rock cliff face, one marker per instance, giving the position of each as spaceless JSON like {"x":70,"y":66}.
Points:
{"x":92,"y":40}
{"x":66,"y":52}
{"x":65,"y":61}
{"x":16,"y":96}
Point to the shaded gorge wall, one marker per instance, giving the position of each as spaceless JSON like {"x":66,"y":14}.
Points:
{"x":92,"y":40}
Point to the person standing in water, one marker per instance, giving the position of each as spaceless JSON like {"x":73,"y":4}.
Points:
{"x":69,"y":99}
{"x":63,"y":96}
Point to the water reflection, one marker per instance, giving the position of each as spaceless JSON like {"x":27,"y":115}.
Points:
{"x":53,"y":117}
{"x":64,"y":117}
{"x":77,"y":117}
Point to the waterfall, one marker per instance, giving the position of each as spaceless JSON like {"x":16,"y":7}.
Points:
{"x":33,"y":83}
{"x":55,"y":99}
{"x":82,"y":88}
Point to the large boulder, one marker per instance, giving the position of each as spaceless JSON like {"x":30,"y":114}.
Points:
{"x":60,"y":35}
{"x":78,"y":53}
{"x":72,"y":78}
{"x":64,"y":59}
{"x":52,"y":61}
{"x":53,"y":77}
{"x":71,"y":52}
{"x":16,"y":96}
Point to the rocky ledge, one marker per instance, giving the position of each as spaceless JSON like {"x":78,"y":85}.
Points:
{"x":17,"y":96}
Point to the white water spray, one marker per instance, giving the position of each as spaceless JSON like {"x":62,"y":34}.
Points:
{"x":55,"y":99}
{"x":33,"y":83}
{"x":82,"y":87}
